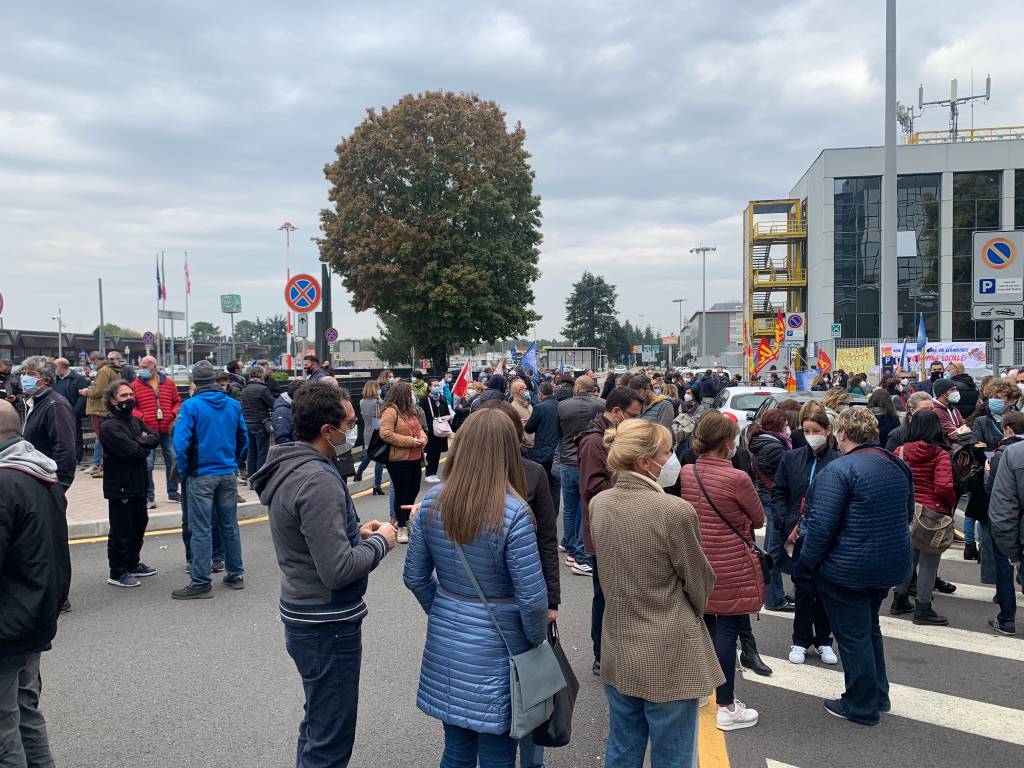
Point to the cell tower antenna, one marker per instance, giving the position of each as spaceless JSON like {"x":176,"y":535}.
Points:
{"x":954,"y":101}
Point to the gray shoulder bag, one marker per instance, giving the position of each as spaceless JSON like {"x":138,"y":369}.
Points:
{"x":534,"y":676}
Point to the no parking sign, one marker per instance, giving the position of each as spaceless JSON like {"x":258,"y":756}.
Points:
{"x":796,"y":326}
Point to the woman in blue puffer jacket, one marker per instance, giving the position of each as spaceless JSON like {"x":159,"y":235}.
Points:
{"x":465,"y":672}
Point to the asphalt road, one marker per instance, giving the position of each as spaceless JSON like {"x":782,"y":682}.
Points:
{"x":136,"y":679}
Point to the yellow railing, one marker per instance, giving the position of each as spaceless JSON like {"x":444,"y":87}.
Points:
{"x":766,"y":278}
{"x":779,"y":229}
{"x":967,"y":134}
{"x":763,"y":326}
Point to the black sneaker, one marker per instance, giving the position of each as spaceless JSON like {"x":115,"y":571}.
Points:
{"x":142,"y":570}
{"x":190,"y":592}
{"x":971,"y":551}
{"x":174,"y":497}
{"x":66,"y":608}
{"x":235,"y":582}
{"x":596,"y":669}
{"x":217,"y":566}
{"x":1003,"y":627}
{"x":943,"y":586}
{"x":836,"y":708}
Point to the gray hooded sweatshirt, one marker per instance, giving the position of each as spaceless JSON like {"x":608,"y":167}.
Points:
{"x":313,"y":522}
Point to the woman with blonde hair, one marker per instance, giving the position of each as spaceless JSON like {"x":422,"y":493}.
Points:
{"x":385,"y":381}
{"x":401,"y":429}
{"x":730,"y":511}
{"x":657,"y":659}
{"x":478,"y":512}
{"x":369,"y":408}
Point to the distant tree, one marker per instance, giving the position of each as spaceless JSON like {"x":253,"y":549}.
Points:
{"x":617,"y":344}
{"x":394,"y":343}
{"x":590,"y":311}
{"x":112,"y":329}
{"x":272,"y":331}
{"x":246,"y":330}
{"x":205,"y":329}
{"x":434,"y":223}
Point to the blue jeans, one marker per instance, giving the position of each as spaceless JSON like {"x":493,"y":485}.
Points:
{"x":378,"y":470}
{"x":166,"y":448}
{"x":671,"y":728}
{"x":572,"y":506}
{"x":1005,"y":592}
{"x":774,"y":591}
{"x":853,"y":614}
{"x":212,"y":501}
{"x":186,"y":532}
{"x":969,"y":525}
{"x":464,"y":748}
{"x":328,"y":659}
{"x":530,"y":755}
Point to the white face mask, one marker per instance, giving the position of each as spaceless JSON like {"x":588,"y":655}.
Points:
{"x":669,"y":471}
{"x":350,"y":441}
{"x":787,"y":432}
{"x":904,"y":382}
{"x":954,"y":397}
{"x":732,"y":452}
{"x":688,"y":397}
{"x":816,"y":441}
{"x":1020,"y":386}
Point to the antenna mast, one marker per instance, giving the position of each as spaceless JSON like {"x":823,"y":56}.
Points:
{"x":953,"y":103}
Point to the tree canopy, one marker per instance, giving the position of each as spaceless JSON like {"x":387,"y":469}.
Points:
{"x":590,"y":311}
{"x":204,"y":329}
{"x":434,"y":222}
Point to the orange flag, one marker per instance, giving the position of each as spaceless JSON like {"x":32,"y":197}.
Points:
{"x":824,"y":363}
{"x":791,"y":383}
{"x":764,"y":356}
{"x":780,"y":330}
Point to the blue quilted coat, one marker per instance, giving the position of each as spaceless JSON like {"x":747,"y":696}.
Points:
{"x":464,"y":677}
{"x":856,"y":524}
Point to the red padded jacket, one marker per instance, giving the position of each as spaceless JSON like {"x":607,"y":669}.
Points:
{"x":146,"y":403}
{"x":738,"y":585}
{"x":933,"y":475}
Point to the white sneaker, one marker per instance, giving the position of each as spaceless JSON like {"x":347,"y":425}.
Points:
{"x":403,"y":535}
{"x":736,"y":717}
{"x":797,"y":654}
{"x":433,"y":479}
{"x":828,"y":656}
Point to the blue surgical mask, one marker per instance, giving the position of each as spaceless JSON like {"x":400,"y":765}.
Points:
{"x":145,"y":373}
{"x":996,"y":407}
{"x":437,"y":390}
{"x":29,"y":384}
{"x":947,"y":375}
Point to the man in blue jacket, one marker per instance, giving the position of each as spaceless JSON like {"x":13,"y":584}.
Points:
{"x":210,"y":440}
{"x":856,"y":541}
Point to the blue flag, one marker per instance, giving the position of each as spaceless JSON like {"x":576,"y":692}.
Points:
{"x":903,"y":356}
{"x":529,"y":358}
{"x":922,"y":335}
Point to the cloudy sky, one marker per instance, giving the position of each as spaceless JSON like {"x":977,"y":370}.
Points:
{"x":130,"y":128}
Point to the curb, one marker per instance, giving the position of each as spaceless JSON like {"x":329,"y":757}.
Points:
{"x":158,"y":521}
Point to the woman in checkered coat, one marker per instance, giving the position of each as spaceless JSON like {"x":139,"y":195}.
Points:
{"x":657,"y":658}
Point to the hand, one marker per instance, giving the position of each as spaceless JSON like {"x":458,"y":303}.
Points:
{"x":552,"y":615}
{"x":387,"y":530}
{"x":368,"y":529}
{"x":84,"y":391}
{"x":413,"y":509}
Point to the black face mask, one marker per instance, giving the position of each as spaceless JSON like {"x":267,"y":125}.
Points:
{"x":125,"y":406}
{"x":936,"y":375}
{"x":308,"y":371}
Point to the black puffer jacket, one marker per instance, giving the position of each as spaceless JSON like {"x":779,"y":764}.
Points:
{"x":257,"y":402}
{"x":538,"y":496}
{"x":968,"y":394}
{"x":124,"y":469}
{"x":766,"y":452}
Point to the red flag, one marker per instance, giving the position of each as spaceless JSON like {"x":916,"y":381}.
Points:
{"x":764,"y":356}
{"x":780,"y":330}
{"x":188,"y":278}
{"x":824,"y":363}
{"x":462,"y":383}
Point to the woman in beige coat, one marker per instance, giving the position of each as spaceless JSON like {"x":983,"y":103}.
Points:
{"x":657,"y":659}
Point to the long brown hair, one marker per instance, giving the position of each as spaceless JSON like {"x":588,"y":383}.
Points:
{"x":400,"y":396}
{"x":483,"y":465}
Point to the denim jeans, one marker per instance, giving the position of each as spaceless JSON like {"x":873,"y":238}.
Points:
{"x":530,"y":755}
{"x":969,"y":532}
{"x":23,"y":739}
{"x":186,"y":532}
{"x":97,"y":448}
{"x":671,"y":728}
{"x":166,"y":448}
{"x":572,"y":506}
{"x":853,"y":614}
{"x":724,"y":631}
{"x":328,"y":659}
{"x":378,"y":470}
{"x":464,"y":748}
{"x":596,"y":612}
{"x":1005,"y":592}
{"x":259,"y":444}
{"x":212,"y":503}
{"x":774,"y":590}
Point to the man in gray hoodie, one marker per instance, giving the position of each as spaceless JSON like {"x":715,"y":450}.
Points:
{"x":325,"y":557}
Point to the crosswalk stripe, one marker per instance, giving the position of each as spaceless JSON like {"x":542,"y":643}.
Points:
{"x":982,"y":593}
{"x":965,"y":715}
{"x":944,"y":637}
{"x":776,"y":764}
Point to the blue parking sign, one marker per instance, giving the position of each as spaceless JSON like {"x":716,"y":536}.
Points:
{"x":986,"y":286}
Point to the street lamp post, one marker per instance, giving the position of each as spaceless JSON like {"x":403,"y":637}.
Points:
{"x":703,"y":251}
{"x":679,"y":303}
{"x":60,"y":331}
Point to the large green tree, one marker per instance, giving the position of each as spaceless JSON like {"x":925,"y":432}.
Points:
{"x":205,"y":329}
{"x":590,"y":311}
{"x":434,"y":223}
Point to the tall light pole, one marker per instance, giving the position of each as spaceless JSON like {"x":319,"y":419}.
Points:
{"x":680,"y":303}
{"x":888,"y":280}
{"x":59,"y":317}
{"x":703,"y":251}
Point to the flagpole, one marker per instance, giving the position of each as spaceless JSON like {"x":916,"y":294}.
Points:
{"x":159,"y":293}
{"x":188,"y":336}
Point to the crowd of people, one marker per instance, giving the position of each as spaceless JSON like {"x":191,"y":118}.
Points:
{"x":653,"y":487}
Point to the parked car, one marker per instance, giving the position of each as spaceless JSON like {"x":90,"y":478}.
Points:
{"x":739,"y":401}
{"x":619,"y":370}
{"x":779,"y":396}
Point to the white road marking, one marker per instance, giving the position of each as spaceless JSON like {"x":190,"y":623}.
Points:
{"x":998,"y":646}
{"x":776,"y":764}
{"x":983,"y":594}
{"x":965,"y":715}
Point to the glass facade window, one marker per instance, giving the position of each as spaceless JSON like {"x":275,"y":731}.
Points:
{"x":1018,"y":199}
{"x":975,"y":208}
{"x":918,"y":211}
{"x":858,"y":253}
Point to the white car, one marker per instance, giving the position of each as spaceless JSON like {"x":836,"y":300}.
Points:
{"x":739,"y":400}
{"x":619,"y":370}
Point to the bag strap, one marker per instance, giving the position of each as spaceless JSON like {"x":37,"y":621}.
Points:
{"x":768,"y":482}
{"x":706,"y":496}
{"x":480,"y":593}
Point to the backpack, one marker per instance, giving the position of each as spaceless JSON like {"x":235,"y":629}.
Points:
{"x":682,"y":427}
{"x":965,"y":467}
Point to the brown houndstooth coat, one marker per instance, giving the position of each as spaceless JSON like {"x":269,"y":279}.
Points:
{"x":656,"y":581}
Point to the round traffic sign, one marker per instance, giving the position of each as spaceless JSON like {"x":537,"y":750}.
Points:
{"x":1,"y":303}
{"x":795,"y":321}
{"x":148,"y":338}
{"x":331,"y":335}
{"x":302,"y":293}
{"x":999,"y":253}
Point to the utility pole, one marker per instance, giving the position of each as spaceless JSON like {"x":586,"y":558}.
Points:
{"x":679,"y":303}
{"x":103,"y":336}
{"x":60,"y":332}
{"x":888,"y":279}
{"x":703,"y":251}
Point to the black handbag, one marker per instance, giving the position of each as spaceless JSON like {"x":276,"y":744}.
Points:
{"x":378,"y":450}
{"x":763,"y":558}
{"x":557,"y":731}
